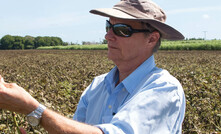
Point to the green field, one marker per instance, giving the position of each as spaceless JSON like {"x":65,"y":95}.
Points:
{"x":191,"y":45}
{"x":165,"y":45}
{"x":57,"y":78}
{"x":76,"y":47}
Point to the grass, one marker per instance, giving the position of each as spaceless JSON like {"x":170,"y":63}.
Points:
{"x":191,"y":45}
{"x":165,"y":45}
{"x":76,"y":47}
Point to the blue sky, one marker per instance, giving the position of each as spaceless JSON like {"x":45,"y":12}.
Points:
{"x":71,"y":20}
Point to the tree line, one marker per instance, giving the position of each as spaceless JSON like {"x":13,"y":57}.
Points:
{"x":29,"y":42}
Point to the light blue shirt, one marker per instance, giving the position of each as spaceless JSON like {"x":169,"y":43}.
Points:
{"x":148,"y":101}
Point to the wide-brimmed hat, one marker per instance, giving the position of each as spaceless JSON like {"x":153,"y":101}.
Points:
{"x":144,"y":11}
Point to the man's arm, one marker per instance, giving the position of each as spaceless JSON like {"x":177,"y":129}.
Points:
{"x":15,"y":98}
{"x":55,"y":123}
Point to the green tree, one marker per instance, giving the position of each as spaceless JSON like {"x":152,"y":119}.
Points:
{"x":47,"y":41}
{"x":104,"y":41}
{"x":57,"y":41}
{"x":29,"y":42}
{"x":39,"y":41}
{"x":18,"y":42}
{"x":0,"y":44}
{"x":7,"y":42}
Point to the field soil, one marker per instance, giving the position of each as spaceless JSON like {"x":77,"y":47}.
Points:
{"x":57,"y":78}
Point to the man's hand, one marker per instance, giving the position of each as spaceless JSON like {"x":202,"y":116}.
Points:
{"x":15,"y":98}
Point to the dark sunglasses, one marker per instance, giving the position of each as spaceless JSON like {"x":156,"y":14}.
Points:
{"x":123,"y":30}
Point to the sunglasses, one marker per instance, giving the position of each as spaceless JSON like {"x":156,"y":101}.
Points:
{"x":123,"y":30}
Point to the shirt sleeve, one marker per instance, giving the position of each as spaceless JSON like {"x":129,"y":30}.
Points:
{"x":157,"y":110}
{"x":80,"y":113}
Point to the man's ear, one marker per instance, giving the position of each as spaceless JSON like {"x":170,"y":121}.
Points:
{"x":153,"y":38}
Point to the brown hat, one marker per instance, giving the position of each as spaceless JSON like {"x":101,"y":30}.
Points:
{"x":144,"y":11}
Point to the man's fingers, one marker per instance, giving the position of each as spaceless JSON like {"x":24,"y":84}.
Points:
{"x":1,"y":79}
{"x":3,"y":83}
{"x":2,"y":86}
{"x":7,"y":85}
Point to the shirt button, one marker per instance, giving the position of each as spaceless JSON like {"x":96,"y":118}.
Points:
{"x":124,"y":89}
{"x":109,"y":106}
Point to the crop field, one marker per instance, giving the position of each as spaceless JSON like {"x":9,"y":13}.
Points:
{"x":165,"y":45}
{"x":57,"y":78}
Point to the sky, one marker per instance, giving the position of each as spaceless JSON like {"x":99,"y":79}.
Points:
{"x":71,"y":20}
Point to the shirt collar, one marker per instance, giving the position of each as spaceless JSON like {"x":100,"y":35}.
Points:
{"x":133,"y":79}
{"x":137,"y":75}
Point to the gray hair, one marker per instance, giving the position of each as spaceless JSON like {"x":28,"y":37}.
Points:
{"x":149,"y":27}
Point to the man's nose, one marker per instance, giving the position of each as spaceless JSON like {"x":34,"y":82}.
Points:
{"x":110,"y":35}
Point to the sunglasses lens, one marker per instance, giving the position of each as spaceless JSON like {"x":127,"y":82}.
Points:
{"x":122,"y":30}
{"x":119,"y":29}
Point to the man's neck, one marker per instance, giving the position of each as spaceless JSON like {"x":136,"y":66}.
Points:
{"x":126,"y":68}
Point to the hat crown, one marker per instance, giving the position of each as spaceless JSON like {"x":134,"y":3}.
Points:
{"x":142,"y":9}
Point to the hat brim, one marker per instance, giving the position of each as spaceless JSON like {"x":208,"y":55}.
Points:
{"x":167,"y":32}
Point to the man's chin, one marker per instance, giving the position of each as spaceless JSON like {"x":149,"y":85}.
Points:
{"x":111,"y":56}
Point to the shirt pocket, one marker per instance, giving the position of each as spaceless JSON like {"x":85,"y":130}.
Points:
{"x":106,"y":119}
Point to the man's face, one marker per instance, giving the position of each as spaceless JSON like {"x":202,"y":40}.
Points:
{"x":127,"y":49}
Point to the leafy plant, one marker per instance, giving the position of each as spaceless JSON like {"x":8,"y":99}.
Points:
{"x":57,"y":79}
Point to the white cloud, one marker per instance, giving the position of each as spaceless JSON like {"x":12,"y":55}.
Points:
{"x":206,"y":16}
{"x":197,"y":9}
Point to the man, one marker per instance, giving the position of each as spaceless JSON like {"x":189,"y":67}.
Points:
{"x":134,"y":97}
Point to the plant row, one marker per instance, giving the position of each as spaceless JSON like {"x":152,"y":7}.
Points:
{"x":57,"y":79}
{"x":165,"y":45}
